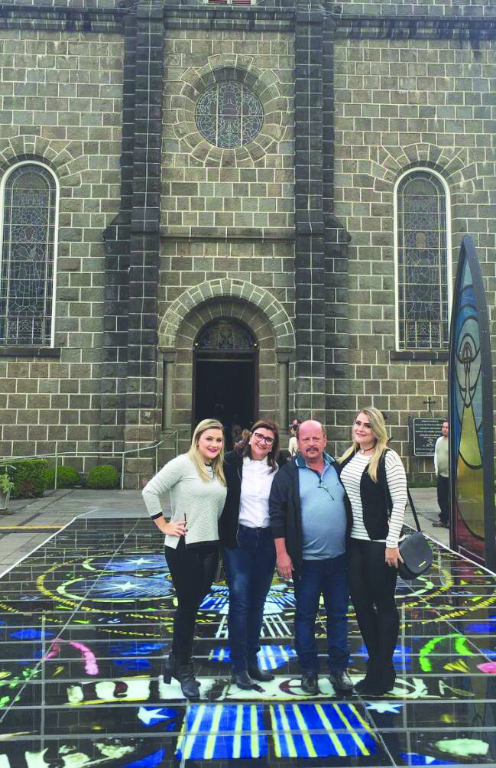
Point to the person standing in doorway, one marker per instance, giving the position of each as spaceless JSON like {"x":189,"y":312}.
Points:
{"x":441,"y":465}
{"x":198,"y":492}
{"x":248,"y":551}
{"x":310,"y":516}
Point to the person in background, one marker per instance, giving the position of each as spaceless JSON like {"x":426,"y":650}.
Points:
{"x":375,"y":481}
{"x":441,"y":466}
{"x":236,"y":434}
{"x":197,"y":492}
{"x":293,"y":442}
{"x":310,"y":517}
{"x":248,"y":550}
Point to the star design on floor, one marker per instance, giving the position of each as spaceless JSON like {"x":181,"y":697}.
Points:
{"x":384,"y":706}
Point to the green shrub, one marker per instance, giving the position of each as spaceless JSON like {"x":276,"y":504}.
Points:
{"x":103,"y":476}
{"x":67,"y":477}
{"x":29,"y":477}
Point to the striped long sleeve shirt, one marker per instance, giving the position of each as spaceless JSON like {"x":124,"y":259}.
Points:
{"x":396,"y":479}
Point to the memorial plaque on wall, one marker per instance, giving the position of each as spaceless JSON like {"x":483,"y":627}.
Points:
{"x":425,"y":432}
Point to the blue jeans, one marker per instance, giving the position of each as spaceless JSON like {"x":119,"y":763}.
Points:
{"x":249,"y":570}
{"x":330,"y":578}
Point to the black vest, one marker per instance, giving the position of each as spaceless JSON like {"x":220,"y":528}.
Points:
{"x":376,"y":499}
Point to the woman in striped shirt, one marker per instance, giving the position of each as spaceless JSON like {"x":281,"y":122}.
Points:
{"x":375,"y":481}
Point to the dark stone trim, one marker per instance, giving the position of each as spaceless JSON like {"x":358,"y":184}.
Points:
{"x":309,"y":220}
{"x":231,"y":233}
{"x":145,"y":213}
{"x":426,"y":355}
{"x":22,"y":351}
{"x":461,"y":28}
{"x":56,"y":18}
{"x":231,"y":25}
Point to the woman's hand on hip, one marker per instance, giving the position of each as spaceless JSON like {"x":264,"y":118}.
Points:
{"x":393,"y":557}
{"x":176,"y":529}
{"x":284,"y":566}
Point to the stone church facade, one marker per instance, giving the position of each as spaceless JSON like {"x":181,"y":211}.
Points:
{"x":236,"y":210}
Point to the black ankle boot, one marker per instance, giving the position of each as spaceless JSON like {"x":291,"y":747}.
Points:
{"x":384,"y":681}
{"x":369,"y":682}
{"x":170,"y":668}
{"x":189,"y":686}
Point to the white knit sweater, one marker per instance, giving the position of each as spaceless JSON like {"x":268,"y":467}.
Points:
{"x":198,"y":502}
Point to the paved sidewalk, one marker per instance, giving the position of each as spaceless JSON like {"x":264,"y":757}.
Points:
{"x":31,"y":522}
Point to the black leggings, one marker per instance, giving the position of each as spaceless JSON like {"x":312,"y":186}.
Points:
{"x":192,"y":571}
{"x":372,"y":586}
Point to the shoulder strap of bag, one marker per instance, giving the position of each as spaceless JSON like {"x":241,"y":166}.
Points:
{"x":382,"y":469}
{"x":382,"y":478}
{"x":414,"y":511}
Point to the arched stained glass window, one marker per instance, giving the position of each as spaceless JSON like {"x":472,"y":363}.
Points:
{"x":229,"y":114}
{"x":422,"y":262}
{"x":27,"y":256}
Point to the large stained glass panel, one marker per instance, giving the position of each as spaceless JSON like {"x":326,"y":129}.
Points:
{"x":229,"y":114}
{"x":471,"y":414}
{"x":422,"y":263}
{"x":27,"y":256}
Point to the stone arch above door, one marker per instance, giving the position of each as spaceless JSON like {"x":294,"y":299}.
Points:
{"x":269,"y":324}
{"x":245,"y":294}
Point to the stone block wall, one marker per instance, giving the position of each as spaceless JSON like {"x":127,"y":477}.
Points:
{"x":227,"y":214}
{"x":228,"y":192}
{"x":402,"y":104}
{"x":60,"y":104}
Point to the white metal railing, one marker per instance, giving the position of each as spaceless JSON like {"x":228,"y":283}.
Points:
{"x":77,"y":454}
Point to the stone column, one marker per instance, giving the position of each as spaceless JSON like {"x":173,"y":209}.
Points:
{"x":169,"y":360}
{"x":142,"y":414}
{"x":309,"y":223}
{"x":336,"y":238}
{"x":283,"y":358}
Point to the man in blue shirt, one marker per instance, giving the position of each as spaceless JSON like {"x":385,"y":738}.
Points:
{"x":310,"y":516}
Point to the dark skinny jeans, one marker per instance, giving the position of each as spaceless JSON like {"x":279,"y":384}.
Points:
{"x":192,"y":571}
{"x":372,"y":587}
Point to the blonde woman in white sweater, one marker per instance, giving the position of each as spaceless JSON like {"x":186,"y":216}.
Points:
{"x":198,"y":492}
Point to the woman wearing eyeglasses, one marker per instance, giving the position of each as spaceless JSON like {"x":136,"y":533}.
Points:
{"x":248,"y":549}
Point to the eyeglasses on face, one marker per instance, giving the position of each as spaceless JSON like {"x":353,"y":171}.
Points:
{"x":263,"y":439}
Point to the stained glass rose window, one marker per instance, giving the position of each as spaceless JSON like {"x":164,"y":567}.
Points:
{"x":229,"y":114}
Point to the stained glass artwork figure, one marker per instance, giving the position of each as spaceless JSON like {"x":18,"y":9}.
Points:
{"x":422,"y":263}
{"x":223,"y":335}
{"x":229,"y":114}
{"x":26,"y":262}
{"x":471,"y":414}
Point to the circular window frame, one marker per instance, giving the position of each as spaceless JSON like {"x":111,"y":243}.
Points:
{"x":243,"y":92}
{"x":264,"y":85}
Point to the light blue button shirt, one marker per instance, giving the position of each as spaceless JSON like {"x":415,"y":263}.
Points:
{"x":323,"y":513}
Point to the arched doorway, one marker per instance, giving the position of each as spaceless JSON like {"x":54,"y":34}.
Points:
{"x":225,"y":375}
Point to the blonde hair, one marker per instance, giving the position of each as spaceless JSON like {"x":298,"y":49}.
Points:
{"x":378,"y":426}
{"x":197,"y":458}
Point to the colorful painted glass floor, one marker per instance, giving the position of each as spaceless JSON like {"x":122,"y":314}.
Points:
{"x":85,"y":622}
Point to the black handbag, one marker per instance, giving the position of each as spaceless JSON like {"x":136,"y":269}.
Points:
{"x":415,"y":551}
